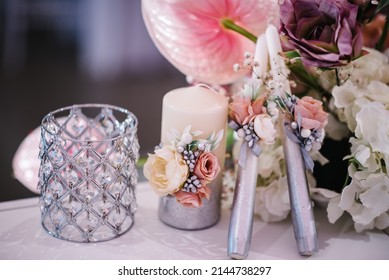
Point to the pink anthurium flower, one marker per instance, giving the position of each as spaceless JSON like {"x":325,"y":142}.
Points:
{"x":193,"y":35}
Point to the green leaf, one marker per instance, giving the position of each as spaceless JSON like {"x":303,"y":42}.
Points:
{"x":291,"y":54}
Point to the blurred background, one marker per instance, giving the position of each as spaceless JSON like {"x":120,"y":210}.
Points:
{"x":55,"y":53}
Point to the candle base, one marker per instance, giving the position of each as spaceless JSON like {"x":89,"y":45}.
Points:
{"x":173,"y":214}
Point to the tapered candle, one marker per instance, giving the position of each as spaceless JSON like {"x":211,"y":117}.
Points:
{"x":206,"y":111}
{"x":242,"y":212}
{"x":301,"y":205}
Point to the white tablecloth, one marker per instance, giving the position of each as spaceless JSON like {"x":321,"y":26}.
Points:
{"x":22,"y":237}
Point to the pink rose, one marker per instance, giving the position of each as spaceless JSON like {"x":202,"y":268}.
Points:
{"x":312,"y":113}
{"x":192,"y":200}
{"x":243,"y":110}
{"x":207,"y":167}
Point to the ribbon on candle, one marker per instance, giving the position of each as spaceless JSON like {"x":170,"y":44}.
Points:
{"x":255,"y":148}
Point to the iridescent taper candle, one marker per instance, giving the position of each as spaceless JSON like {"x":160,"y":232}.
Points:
{"x":242,"y":212}
{"x":300,"y":202}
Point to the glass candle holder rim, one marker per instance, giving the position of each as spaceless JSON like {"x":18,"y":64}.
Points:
{"x":132,"y":130}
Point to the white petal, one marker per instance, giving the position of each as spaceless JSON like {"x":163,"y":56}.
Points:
{"x":376,"y":200}
{"x":333,"y":210}
{"x":348,"y":195}
{"x":363,"y":155}
{"x":382,"y":221}
{"x":360,"y":227}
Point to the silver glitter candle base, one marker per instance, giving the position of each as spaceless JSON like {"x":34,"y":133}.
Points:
{"x":175,"y":215}
{"x":300,"y":202}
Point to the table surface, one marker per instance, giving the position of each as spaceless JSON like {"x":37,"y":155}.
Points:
{"x":22,"y":237}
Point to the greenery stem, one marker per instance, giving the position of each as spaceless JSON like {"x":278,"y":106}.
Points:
{"x":381,"y":42}
{"x":230,"y":24}
{"x":303,"y":76}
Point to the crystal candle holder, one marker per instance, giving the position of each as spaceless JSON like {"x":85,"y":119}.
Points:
{"x":87,"y":175}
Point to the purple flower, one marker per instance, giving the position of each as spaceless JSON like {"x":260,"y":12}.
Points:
{"x":326,"y":33}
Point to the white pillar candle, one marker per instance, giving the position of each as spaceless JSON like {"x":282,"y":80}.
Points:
{"x":205,"y":111}
{"x":201,"y":108}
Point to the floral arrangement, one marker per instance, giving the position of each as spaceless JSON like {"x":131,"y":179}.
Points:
{"x":328,"y":58}
{"x":336,"y":52}
{"x":252,"y":116}
{"x":185,"y":167}
{"x":305,"y":122}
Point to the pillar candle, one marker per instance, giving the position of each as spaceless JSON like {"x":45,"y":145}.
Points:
{"x":206,"y":111}
{"x":200,"y":107}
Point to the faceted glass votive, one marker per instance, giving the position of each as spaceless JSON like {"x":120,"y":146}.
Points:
{"x":87,"y":175}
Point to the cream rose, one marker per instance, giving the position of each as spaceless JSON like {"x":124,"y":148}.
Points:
{"x":264,"y":128}
{"x":166,"y":171}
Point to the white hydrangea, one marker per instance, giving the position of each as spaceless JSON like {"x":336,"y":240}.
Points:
{"x":373,"y":126}
{"x":335,"y":129}
{"x":350,"y":99}
{"x":368,"y":82}
{"x":366,"y":198}
{"x":272,"y":201}
{"x":371,"y":67}
{"x":367,"y":201}
{"x":363,"y":153}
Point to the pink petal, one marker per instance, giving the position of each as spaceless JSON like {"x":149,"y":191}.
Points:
{"x":188,"y":33}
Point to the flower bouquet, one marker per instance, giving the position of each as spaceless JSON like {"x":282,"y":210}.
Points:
{"x":339,"y":91}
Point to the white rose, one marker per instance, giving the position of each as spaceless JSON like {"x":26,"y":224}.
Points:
{"x":264,"y":128}
{"x":373,"y":126}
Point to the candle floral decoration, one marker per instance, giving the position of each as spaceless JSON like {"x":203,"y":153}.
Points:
{"x":254,"y":111}
{"x":185,"y":167}
{"x":252,"y":116}
{"x":305,"y":122}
